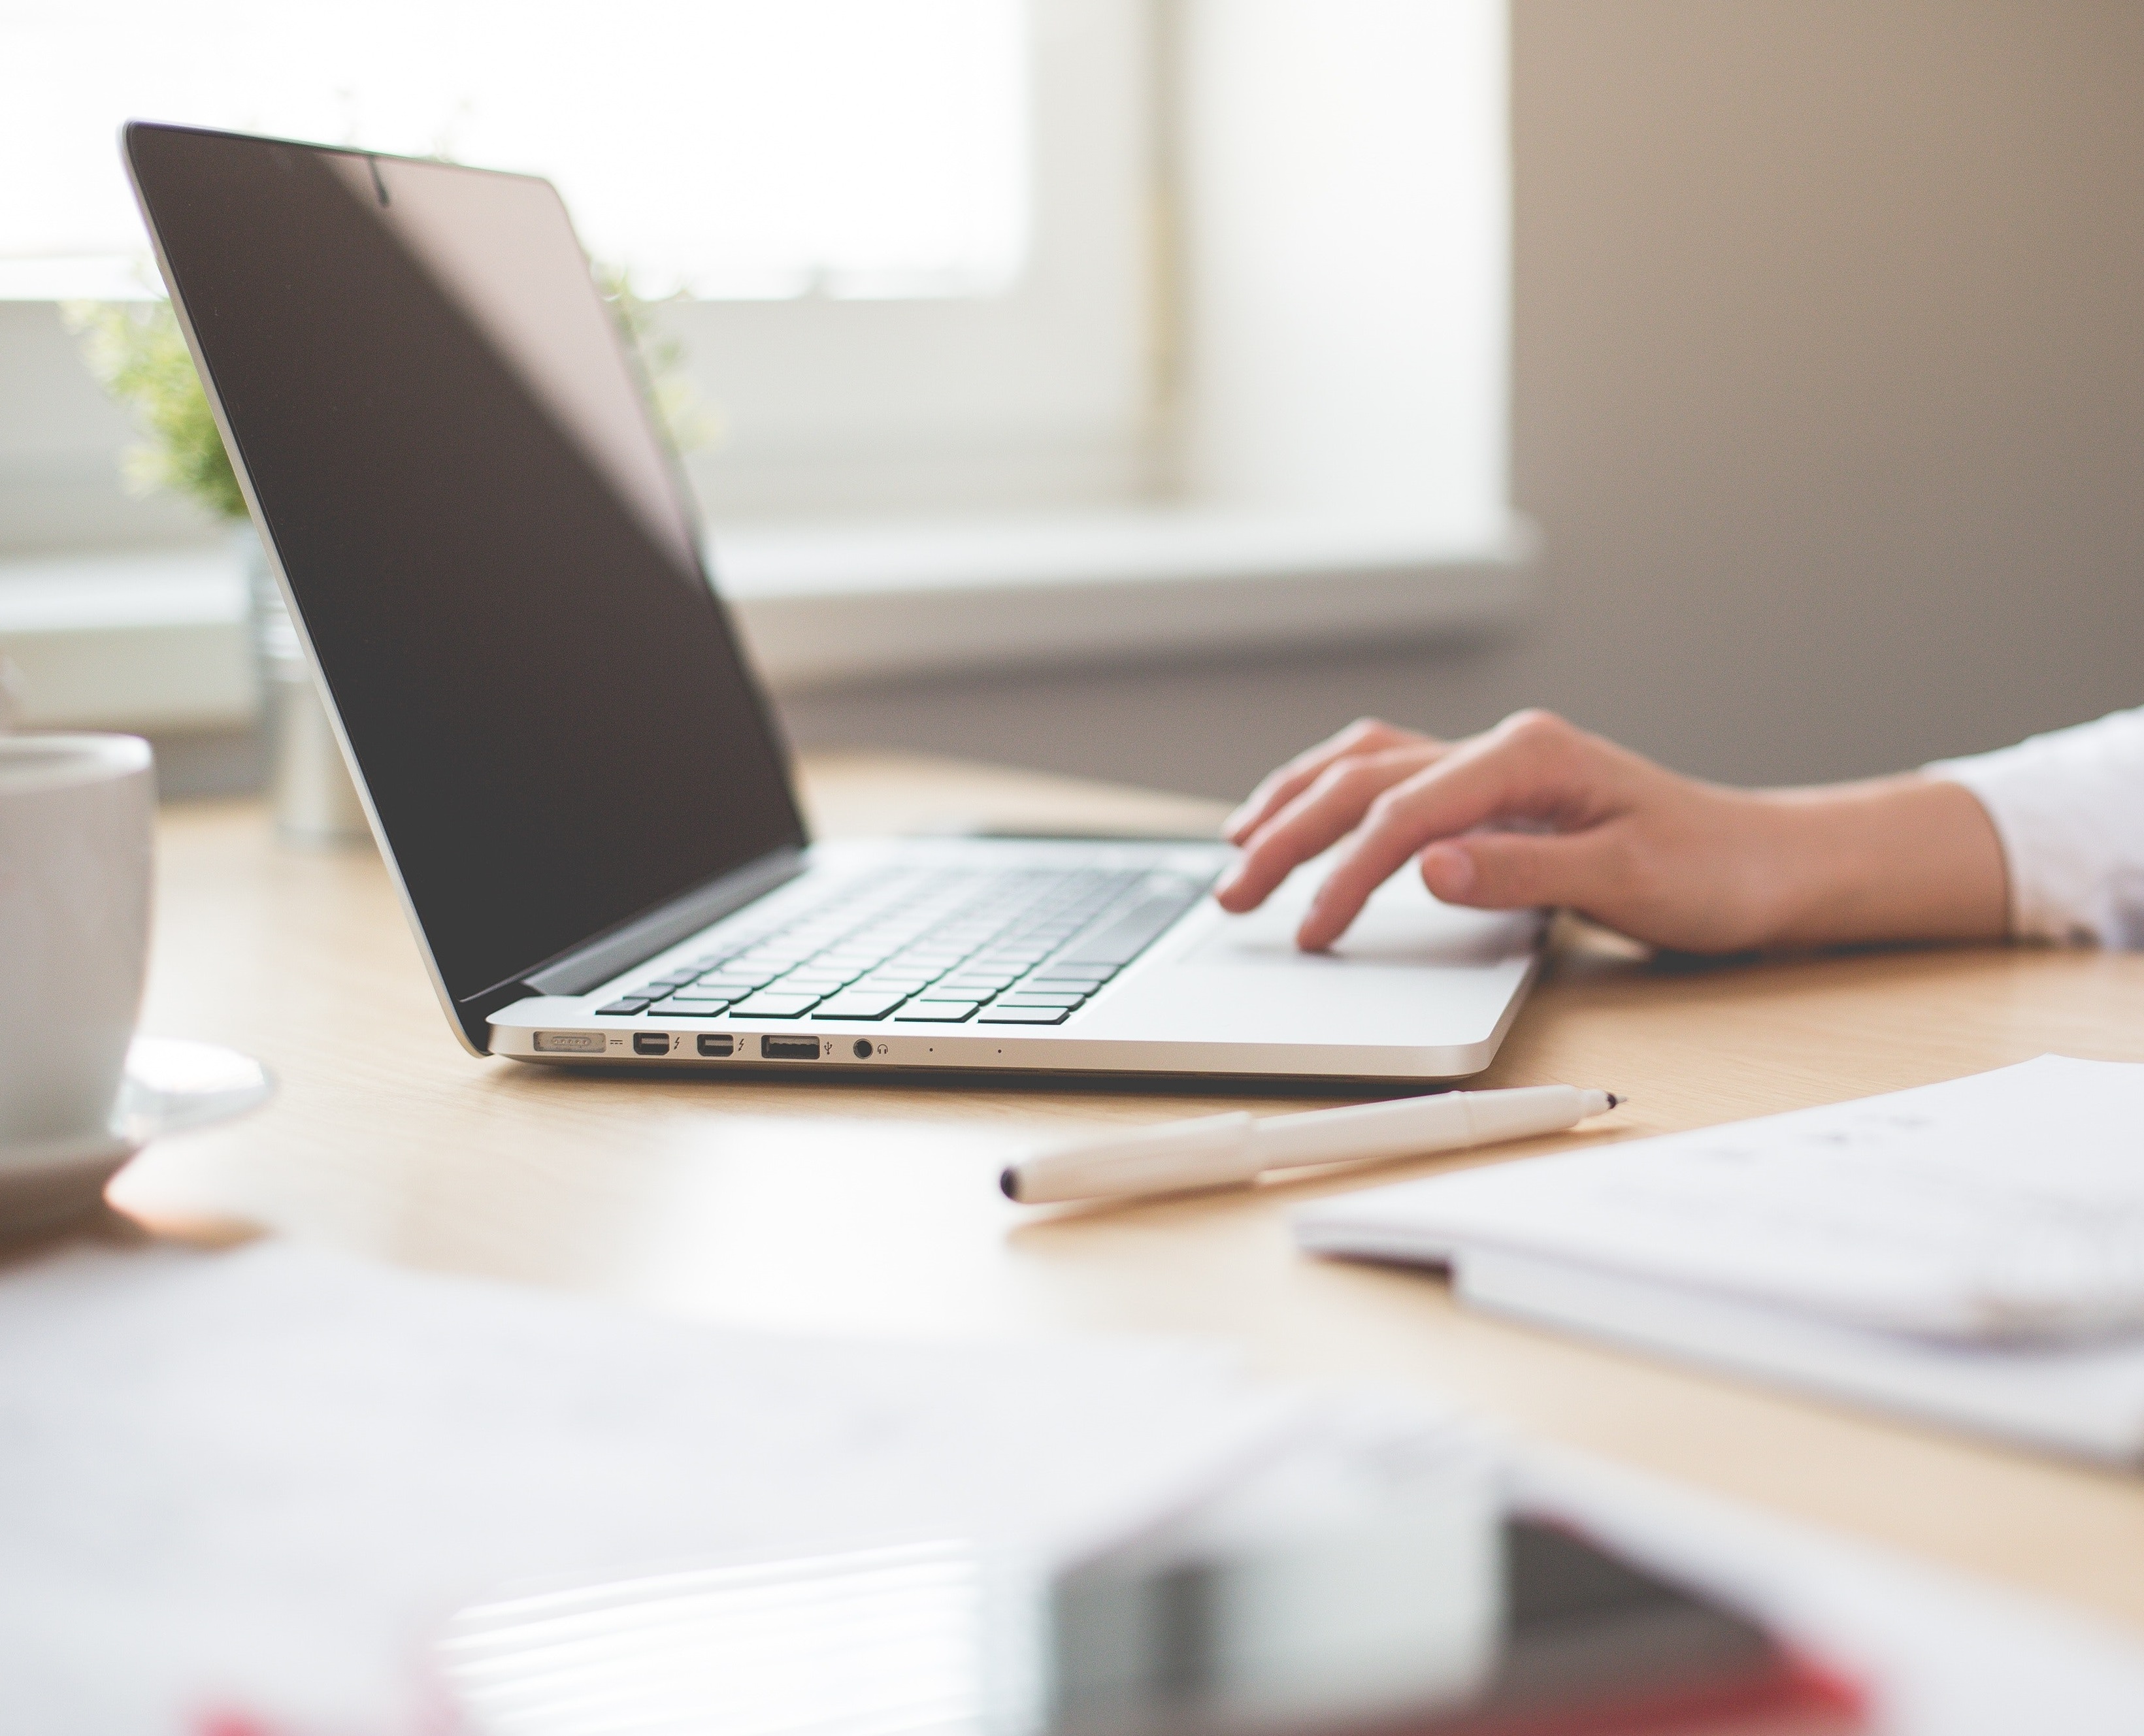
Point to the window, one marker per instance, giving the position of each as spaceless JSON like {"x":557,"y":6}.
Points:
{"x":732,"y":148}
{"x":1031,"y":327}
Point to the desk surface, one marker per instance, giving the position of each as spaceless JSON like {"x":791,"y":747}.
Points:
{"x":865,"y":1209}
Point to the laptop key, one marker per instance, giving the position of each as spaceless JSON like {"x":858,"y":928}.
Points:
{"x":1039,"y":997}
{"x":628,"y":1004}
{"x":940,"y":1012}
{"x":775,"y":1006}
{"x":860,"y":1005}
{"x":1024,"y":1015}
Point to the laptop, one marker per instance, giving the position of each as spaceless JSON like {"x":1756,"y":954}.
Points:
{"x":490,"y":555}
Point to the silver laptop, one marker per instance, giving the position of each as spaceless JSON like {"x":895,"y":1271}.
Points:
{"x":571,"y":772}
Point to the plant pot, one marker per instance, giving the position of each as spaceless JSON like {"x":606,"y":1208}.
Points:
{"x":309,"y":785}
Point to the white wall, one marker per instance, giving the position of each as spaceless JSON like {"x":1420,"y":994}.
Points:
{"x":1830,"y":401}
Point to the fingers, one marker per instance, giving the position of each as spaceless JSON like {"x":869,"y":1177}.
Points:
{"x":1530,"y":764}
{"x":1330,"y":808}
{"x":1366,"y":734}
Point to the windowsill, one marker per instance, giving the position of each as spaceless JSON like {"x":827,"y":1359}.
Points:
{"x":149,"y":640}
{"x":828,"y":606}
{"x":156,"y":640}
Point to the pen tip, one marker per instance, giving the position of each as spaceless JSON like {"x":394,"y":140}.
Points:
{"x":1009,"y":1183}
{"x":1614,"y":1100}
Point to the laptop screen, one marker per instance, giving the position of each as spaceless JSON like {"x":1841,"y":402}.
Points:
{"x":487,"y":538}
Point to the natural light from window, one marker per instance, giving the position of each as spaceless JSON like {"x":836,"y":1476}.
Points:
{"x":737,"y":149}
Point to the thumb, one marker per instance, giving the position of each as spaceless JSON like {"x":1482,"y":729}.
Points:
{"x":1512,"y":871}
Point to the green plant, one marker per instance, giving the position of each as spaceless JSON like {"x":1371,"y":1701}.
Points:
{"x":690,"y":423}
{"x":139,"y":356}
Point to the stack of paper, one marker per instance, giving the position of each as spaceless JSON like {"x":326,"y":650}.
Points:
{"x":1972,"y":1251}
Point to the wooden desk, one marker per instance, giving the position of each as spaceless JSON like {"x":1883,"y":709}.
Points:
{"x":852,"y":1208}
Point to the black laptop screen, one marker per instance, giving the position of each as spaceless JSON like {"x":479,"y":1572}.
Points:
{"x":484,"y":534}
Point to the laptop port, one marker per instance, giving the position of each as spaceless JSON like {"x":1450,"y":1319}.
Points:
{"x":722,"y":1045}
{"x":861,"y":1049}
{"x":651,"y":1042}
{"x":789,"y":1048}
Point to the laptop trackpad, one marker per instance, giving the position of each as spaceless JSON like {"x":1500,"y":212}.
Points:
{"x":1410,"y":972}
{"x":1401,"y":926}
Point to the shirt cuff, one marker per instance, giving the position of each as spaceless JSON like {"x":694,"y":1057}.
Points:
{"x":2069,"y":809}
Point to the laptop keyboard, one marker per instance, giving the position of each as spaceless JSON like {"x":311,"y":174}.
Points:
{"x":1001,"y":947}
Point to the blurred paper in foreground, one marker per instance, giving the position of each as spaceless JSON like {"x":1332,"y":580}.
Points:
{"x":253,"y":1486}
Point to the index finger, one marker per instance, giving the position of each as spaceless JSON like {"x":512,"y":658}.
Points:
{"x":1329,"y":809}
{"x":1278,"y":788}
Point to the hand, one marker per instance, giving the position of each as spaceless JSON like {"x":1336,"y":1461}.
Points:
{"x":1537,"y":812}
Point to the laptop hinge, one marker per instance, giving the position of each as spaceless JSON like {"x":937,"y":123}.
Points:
{"x":578,"y":971}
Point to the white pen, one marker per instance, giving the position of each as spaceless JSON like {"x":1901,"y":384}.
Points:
{"x":1221,"y":1151}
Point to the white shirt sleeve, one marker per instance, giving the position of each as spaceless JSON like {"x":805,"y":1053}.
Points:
{"x":2069,"y":807}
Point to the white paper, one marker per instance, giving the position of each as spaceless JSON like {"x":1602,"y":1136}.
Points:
{"x":2009,"y":1205}
{"x":2084,"y":1399}
{"x":260,"y":1481}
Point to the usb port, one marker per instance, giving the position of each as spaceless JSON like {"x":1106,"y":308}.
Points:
{"x":713,"y":1045}
{"x":789,"y":1048}
{"x":651,"y":1042}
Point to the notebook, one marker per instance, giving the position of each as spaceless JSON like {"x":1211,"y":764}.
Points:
{"x":1971,"y":1252}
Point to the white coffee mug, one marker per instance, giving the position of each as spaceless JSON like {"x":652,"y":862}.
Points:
{"x":76,"y":814}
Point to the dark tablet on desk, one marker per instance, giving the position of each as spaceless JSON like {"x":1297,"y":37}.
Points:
{"x":1584,"y":1643}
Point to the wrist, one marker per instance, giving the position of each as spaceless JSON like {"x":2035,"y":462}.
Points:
{"x":1905,"y":858}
